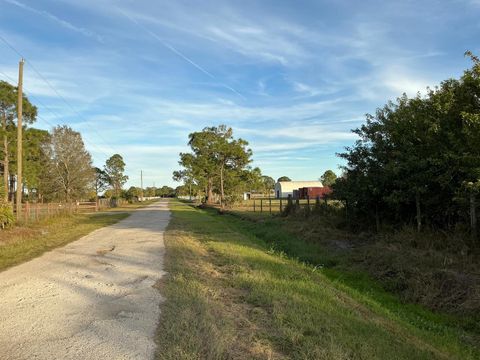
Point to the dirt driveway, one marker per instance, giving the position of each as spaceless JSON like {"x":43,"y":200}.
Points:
{"x":92,"y":299}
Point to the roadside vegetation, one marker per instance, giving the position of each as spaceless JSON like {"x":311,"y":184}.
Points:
{"x":218,"y":167}
{"x":239,"y":289}
{"x":417,"y":162}
{"x":25,"y":242}
{"x":404,"y":211}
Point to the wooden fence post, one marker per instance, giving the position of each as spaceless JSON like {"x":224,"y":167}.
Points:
{"x":281,"y":209}
{"x":308,"y":201}
{"x":261,"y":205}
{"x":270,"y":203}
{"x":254,"y":205}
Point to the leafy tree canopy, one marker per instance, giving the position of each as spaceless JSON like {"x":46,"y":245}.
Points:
{"x":115,"y":168}
{"x":284,"y":178}
{"x":415,"y":156}
{"x":328,"y":178}
{"x":68,"y":172}
{"x":217,"y":163}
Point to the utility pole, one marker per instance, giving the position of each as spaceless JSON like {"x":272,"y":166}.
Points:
{"x":141,"y":184}
{"x":19,"y":138}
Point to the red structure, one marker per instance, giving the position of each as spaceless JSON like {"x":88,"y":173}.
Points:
{"x":313,"y":192}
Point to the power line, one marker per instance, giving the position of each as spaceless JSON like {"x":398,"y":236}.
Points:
{"x":53,"y":113}
{"x":29,"y":63}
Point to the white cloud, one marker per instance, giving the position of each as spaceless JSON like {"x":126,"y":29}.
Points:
{"x":179,"y":123}
{"x":401,"y":82}
{"x":306,"y":84}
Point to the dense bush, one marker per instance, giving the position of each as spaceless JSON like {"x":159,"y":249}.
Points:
{"x":417,"y":159}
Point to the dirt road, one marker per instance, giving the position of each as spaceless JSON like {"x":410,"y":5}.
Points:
{"x":92,"y":299}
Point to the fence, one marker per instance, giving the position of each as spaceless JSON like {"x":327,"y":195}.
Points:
{"x":38,"y":211}
{"x":109,"y":203}
{"x":272,"y":205}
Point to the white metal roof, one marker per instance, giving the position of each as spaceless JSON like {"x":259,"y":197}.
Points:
{"x":289,"y":186}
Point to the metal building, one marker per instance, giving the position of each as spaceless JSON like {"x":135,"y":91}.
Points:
{"x":285,"y":188}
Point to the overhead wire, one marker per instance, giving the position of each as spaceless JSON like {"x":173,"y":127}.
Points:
{"x":51,"y":112}
{"x":58,"y":94}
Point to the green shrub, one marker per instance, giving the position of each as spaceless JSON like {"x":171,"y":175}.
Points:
{"x":6,"y":214}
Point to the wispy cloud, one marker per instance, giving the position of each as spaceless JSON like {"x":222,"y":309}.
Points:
{"x":177,"y":52}
{"x":258,"y":42}
{"x":305,"y":75}
{"x":62,"y":22}
{"x":268,"y":39}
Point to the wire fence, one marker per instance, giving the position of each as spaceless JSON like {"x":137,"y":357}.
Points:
{"x":273,"y":205}
{"x":38,"y":211}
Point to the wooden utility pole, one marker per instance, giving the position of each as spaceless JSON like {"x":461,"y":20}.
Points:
{"x":19,"y":138}
{"x":141,"y":185}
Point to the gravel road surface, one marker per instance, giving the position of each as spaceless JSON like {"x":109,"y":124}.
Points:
{"x":92,"y":299}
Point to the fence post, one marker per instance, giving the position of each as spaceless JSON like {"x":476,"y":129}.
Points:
{"x":308,"y":201}
{"x":346,"y":212}
{"x":27,"y":209}
{"x":270,"y":203}
{"x":37,"y":215}
{"x":261,"y":205}
{"x":254,"y":205}
{"x":281,"y":209}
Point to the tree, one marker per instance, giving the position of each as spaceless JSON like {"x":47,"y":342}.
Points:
{"x":268,"y":184}
{"x":101,"y":181}
{"x":133,"y":193}
{"x":68,"y":173}
{"x":35,"y":141}
{"x":217,"y":162}
{"x":182,"y":190}
{"x":8,"y":113}
{"x":190,"y":184}
{"x":284,"y":178}
{"x":149,"y":191}
{"x":165,"y":191}
{"x":417,"y":159}
{"x":328,"y":178}
{"x":231,"y":155}
{"x":114,"y":168}
{"x":6,"y":212}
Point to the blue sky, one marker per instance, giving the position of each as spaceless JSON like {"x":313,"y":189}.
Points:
{"x":291,"y":77}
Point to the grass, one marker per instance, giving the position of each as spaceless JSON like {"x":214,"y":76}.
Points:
{"x":27,"y":241}
{"x":24,"y":243}
{"x":232,"y":294}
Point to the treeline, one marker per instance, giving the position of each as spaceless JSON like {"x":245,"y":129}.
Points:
{"x":418,"y":160}
{"x":135,"y":193}
{"x":56,"y":164}
{"x":218,"y":167}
